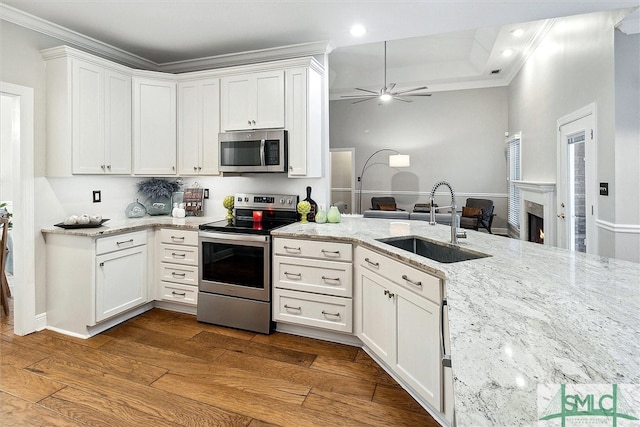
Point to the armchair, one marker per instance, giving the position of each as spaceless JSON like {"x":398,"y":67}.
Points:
{"x":477,"y":213}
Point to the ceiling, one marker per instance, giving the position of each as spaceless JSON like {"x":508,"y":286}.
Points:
{"x":447,"y":44}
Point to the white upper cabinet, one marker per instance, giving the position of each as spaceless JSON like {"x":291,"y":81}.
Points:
{"x":304,"y":120}
{"x":118,"y":124}
{"x":154,"y":125}
{"x":198,"y":126}
{"x":253,"y":101}
{"x":88,"y":114}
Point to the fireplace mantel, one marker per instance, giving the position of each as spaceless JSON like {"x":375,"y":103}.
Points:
{"x":535,"y":186}
{"x":543,"y":193}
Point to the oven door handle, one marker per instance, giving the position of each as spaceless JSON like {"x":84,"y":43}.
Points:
{"x":234,"y":237}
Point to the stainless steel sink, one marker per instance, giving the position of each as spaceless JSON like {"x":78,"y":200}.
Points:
{"x":437,"y":251}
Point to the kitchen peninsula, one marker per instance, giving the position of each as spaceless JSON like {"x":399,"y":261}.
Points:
{"x":525,"y":316}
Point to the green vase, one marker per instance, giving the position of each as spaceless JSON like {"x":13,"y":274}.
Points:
{"x":333,"y":215}
{"x":321,"y":216}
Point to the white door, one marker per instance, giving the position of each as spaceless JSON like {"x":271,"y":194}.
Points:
{"x":117,"y":94}
{"x":576,"y":204}
{"x":378,"y":321}
{"x":154,"y":126}
{"x":121,"y":281}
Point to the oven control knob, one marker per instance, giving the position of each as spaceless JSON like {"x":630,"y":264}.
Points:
{"x":246,"y":199}
{"x":289,"y":201}
{"x":239,"y":199}
{"x":282,"y":201}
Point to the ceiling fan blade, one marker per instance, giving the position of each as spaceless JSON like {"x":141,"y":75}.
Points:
{"x":397,"y":98}
{"x":368,"y":91}
{"x":390,"y":87}
{"x":358,"y":96}
{"x":411,"y":90}
{"x":417,"y":94}
{"x":365,"y":99}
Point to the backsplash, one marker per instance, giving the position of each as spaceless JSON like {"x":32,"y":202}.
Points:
{"x":61,"y":197}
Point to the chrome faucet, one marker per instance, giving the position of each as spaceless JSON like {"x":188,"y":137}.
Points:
{"x":455,"y":234}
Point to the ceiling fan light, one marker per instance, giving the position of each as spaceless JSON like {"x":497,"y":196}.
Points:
{"x":385,"y":97}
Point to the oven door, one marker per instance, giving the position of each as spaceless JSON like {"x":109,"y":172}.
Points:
{"x":236,"y":265}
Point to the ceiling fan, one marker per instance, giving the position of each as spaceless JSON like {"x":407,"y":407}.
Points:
{"x":386,"y":93}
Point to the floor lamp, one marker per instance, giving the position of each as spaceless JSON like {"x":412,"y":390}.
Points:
{"x":396,"y":160}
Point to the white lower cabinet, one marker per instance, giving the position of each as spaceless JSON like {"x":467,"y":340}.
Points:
{"x":120,"y":281}
{"x":312,"y":284}
{"x":91,"y":282}
{"x":398,"y":323}
{"x":177,"y":266}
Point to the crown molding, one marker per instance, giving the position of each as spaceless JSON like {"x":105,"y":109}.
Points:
{"x":531,"y":47}
{"x":250,"y":57}
{"x":91,"y":45}
{"x":18,"y":17}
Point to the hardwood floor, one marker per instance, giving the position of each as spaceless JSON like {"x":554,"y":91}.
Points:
{"x":166,"y":369}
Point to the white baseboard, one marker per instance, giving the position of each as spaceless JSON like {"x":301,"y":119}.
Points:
{"x":319,"y":334}
{"x":41,"y":321}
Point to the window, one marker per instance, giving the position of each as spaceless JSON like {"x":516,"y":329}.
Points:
{"x":513,"y":158}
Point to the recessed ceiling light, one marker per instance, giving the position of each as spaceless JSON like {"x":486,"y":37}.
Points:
{"x":358,"y":30}
{"x":507,"y":52}
{"x":517,"y":32}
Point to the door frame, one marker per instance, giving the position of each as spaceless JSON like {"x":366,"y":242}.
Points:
{"x":591,"y":158}
{"x":24,"y":293}
{"x":353,"y":180}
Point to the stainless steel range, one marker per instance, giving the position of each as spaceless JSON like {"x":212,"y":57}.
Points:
{"x":235,"y":262}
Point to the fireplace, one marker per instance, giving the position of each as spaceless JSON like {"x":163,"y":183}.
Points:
{"x":537,"y":211}
{"x":536,"y":228}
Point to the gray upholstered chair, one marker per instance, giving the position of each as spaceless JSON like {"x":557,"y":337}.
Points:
{"x":477,"y":213}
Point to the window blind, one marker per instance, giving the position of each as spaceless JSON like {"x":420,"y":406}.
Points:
{"x":514,"y":175}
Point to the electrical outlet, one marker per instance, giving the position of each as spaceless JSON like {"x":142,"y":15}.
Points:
{"x":97,"y":196}
{"x":206,"y":193}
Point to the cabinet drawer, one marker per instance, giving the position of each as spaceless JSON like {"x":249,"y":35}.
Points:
{"x":175,"y":236}
{"x":320,"y":311}
{"x":313,"y":249}
{"x":310,"y":275}
{"x":404,"y":275}
{"x":179,"y":254}
{"x":177,"y":273}
{"x":179,"y":293}
{"x":120,"y":241}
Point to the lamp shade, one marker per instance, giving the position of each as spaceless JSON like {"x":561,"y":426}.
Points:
{"x":399,"y":161}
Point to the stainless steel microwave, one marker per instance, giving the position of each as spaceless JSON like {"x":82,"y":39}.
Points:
{"x":253,"y":151}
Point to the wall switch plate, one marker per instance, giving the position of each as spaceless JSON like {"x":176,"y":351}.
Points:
{"x":97,"y":196}
{"x":604,"y":188}
{"x":206,"y":193}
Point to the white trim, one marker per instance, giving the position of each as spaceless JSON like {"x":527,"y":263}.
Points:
{"x":42,"y":26}
{"x":23,"y":19}
{"x":24,"y":305}
{"x":250,"y":57}
{"x":320,"y":334}
{"x":41,"y":321}
{"x":618,"y":228}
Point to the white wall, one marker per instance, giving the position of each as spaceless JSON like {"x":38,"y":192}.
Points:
{"x":455,"y":136}
{"x":571,"y":68}
{"x":627,"y":167}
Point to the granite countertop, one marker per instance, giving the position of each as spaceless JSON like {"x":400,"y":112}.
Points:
{"x":132,"y":224}
{"x":530,"y":315}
